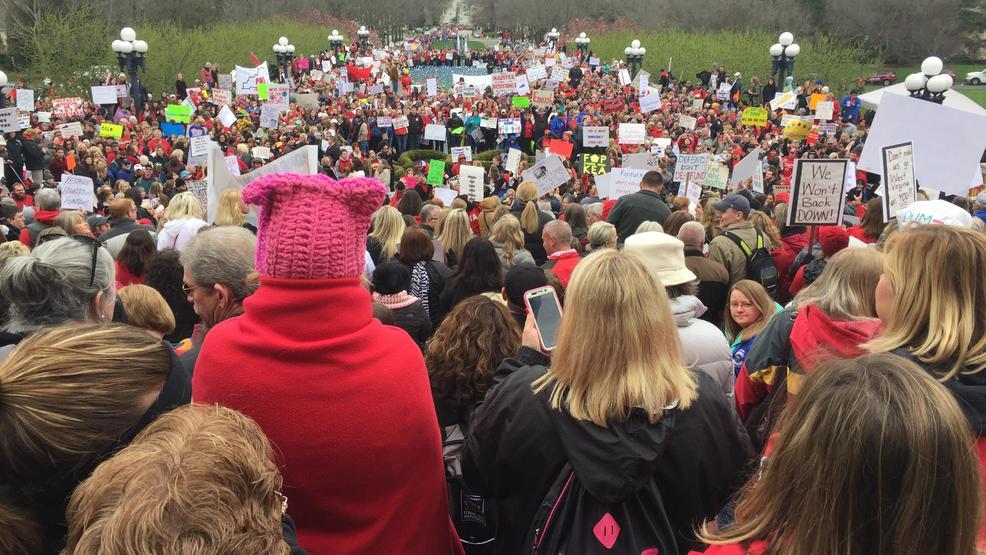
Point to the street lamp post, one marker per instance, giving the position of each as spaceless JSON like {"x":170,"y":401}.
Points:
{"x":553,"y":36}
{"x":131,"y":54}
{"x":582,"y":44}
{"x":364,"y":36}
{"x":930,"y":84}
{"x":285,"y":55}
{"x":335,"y":40}
{"x":635,"y":57}
{"x":3,"y":83}
{"x":783,"y":54}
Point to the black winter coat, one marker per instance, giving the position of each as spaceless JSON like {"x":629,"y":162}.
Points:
{"x":518,"y":445}
{"x":34,"y":158}
{"x":532,"y":241}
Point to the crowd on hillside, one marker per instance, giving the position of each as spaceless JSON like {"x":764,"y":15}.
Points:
{"x":346,"y":362}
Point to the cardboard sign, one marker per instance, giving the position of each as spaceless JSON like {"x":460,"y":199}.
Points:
{"x":222,"y":97}
{"x":225,"y":81}
{"x":687,"y":122}
{"x":900,"y":189}
{"x":179,"y":113}
{"x":817,"y":196}
{"x":786,"y":101}
{"x":471,"y":182}
{"x":824,"y":110}
{"x":461,"y":151}
{"x":8,"y":121}
{"x":650,"y":103}
{"x":25,"y":100}
{"x":543,"y":98}
{"x":504,"y":83}
{"x":307,"y":101}
{"x":755,"y":117}
{"x":269,"y":114}
{"x":110,"y":130}
{"x":624,"y":77}
{"x":594,"y":164}
{"x":827,"y":128}
{"x":522,"y":84}
{"x":200,"y":190}
{"x":104,"y":95}
{"x":434,"y":132}
{"x":689,"y":164}
{"x":261,"y":152}
{"x":537,"y":72}
{"x":69,"y":130}
{"x":716,"y":176}
{"x":698,"y":103}
{"x":595,"y":136}
{"x":226,"y":117}
{"x":547,"y":174}
{"x":436,"y":172}
{"x":632,"y":133}
{"x":642,"y":160}
{"x":77,"y":193}
{"x":797,"y":129}
{"x":619,"y":182}
{"x":508,"y":126}
{"x":400,"y":122}
{"x":198,"y":151}
{"x":67,"y":108}
{"x":513,"y":160}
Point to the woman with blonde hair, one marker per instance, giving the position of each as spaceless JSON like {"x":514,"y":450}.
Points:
{"x":453,"y":233}
{"x":73,"y":222}
{"x":142,"y":499}
{"x":833,"y":317}
{"x":146,"y":309}
{"x":69,"y":398}
{"x":232,"y":210}
{"x":883,"y":454}
{"x":601,"y":424}
{"x":532,"y":220}
{"x":182,"y":220}
{"x":748,"y":309}
{"x":508,"y":240}
{"x":386,"y":228}
{"x":761,"y":221}
{"x":602,"y":235}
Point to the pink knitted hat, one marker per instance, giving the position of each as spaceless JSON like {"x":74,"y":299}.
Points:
{"x":312,"y":226}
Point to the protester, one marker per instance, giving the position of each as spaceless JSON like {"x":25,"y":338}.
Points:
{"x":73,"y":223}
{"x":591,"y":397}
{"x":355,"y":501}
{"x":182,"y":220}
{"x":46,"y":203}
{"x":645,"y":205}
{"x":232,"y":210}
{"x":428,"y":277}
{"x":508,"y":240}
{"x":146,"y":309}
{"x":831,"y":240}
{"x":713,"y":279}
{"x":733,"y":213}
{"x":794,"y":239}
{"x":454,"y":234}
{"x":868,"y":441}
{"x":123,"y":214}
{"x":602,"y":235}
{"x":164,"y":273}
{"x":391,"y":282}
{"x":748,"y":312}
{"x":478,"y":273}
{"x":558,"y":245}
{"x":131,"y":262}
{"x":532,"y":220}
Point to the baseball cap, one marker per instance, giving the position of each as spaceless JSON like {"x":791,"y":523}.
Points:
{"x":522,"y":278}
{"x":96,"y":221}
{"x":737,"y":202}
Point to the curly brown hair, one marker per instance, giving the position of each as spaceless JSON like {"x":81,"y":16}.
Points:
{"x":468,"y":347}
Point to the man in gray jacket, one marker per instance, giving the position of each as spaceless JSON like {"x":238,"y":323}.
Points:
{"x":733,"y":211}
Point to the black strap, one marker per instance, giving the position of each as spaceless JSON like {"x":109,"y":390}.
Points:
{"x":742,"y":244}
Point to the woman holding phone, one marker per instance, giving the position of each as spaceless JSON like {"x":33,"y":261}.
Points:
{"x":618,"y":411}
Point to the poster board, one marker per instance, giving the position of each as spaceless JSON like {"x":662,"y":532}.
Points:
{"x":899,"y":186}
{"x":817,"y":192}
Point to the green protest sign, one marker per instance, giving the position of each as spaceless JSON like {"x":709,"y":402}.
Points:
{"x":178,"y":112}
{"x":262,"y":92}
{"x":436,"y":172}
{"x":521,"y":102}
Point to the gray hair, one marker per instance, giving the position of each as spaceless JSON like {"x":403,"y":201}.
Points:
{"x":692,"y":234}
{"x":600,"y":233}
{"x":980,"y":201}
{"x":560,"y":230}
{"x":596,"y":209}
{"x":427,"y":211}
{"x":51,"y":286}
{"x":48,"y":199}
{"x":649,"y":225}
{"x":222,"y":255}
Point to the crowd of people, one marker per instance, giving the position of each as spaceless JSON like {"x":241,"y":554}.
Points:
{"x":344,"y":362}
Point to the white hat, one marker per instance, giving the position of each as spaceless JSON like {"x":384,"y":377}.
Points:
{"x":934,"y":212}
{"x":138,"y":168}
{"x":664,"y":256}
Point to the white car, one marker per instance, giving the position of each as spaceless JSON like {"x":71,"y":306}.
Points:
{"x":976,"y":77}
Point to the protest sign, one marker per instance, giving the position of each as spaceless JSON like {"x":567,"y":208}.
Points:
{"x":431,"y":84}
{"x":520,"y":102}
{"x":104,"y":95}
{"x":434,"y":132}
{"x":559,"y":74}
{"x":594,"y":164}
{"x":513,"y":160}
{"x":595,"y":136}
{"x":650,"y":103}
{"x":824,"y":110}
{"x":749,"y":167}
{"x":698,"y":103}
{"x":786,"y":101}
{"x":817,"y":192}
{"x":687,"y":122}
{"x":815,"y":99}
{"x":23,"y":120}
{"x":642,"y":160}
{"x":400,"y":122}
{"x":221,"y":97}
{"x":77,"y":193}
{"x":716,"y":176}
{"x":261,"y":152}
{"x":198,"y":150}
{"x":247,"y":78}
{"x":446,"y":195}
{"x":67,"y":108}
{"x":461,"y":150}
{"x":547,"y":174}
{"x":756,"y":117}
{"x":561,"y":148}
{"x":45,"y":117}
{"x":593,"y":61}
{"x":631,"y":133}
{"x":278,"y":95}
{"x":25,"y":100}
{"x":178,"y":113}
{"x":504,"y":83}
{"x":225,"y":81}
{"x":523,"y":86}
{"x":694,"y":193}
{"x":122,"y":92}
{"x":797,"y":129}
{"x":307,"y":101}
{"x":172,"y":129}
{"x":200,"y":190}
{"x":233,"y":164}
{"x":508,"y":126}
{"x":549,"y":61}
{"x":660,"y":144}
{"x":613,"y":105}
{"x":471,"y":182}
{"x":269,"y":114}
{"x":620,"y":182}
{"x":899,"y":187}
{"x":375,"y":89}
{"x":642,"y":79}
{"x":263,"y":90}
{"x":624,"y":77}
{"x":110,"y":130}
{"x":543,"y":98}
{"x":827,"y":128}
{"x":436,"y":172}
{"x":385,"y":121}
{"x":226,"y":117}
{"x":8,"y":121}
{"x":69,"y":130}
{"x":537,"y":72}
{"x":690,"y":164}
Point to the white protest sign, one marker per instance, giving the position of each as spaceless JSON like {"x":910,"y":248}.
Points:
{"x":690,"y":164}
{"x":624,"y":77}
{"x":643,"y":79}
{"x":698,"y":103}
{"x":375,"y":89}
{"x":248,"y":77}
{"x":307,"y":101}
{"x":104,"y":95}
{"x":24,"y":120}
{"x":384,"y":122}
{"x":642,"y":160}
{"x":504,"y":83}
{"x":595,"y":136}
{"x":278,"y":95}
{"x":593,"y":61}
{"x":547,"y":174}
{"x":620,"y":182}
{"x":659,"y":144}
{"x":650,"y":103}
{"x":400,"y":122}
{"x":900,"y":190}
{"x":631,"y":134}
{"x":221,"y":97}
{"x":461,"y":151}
{"x":749,"y":167}
{"x":817,"y":192}
{"x":68,"y":130}
{"x":77,"y":193}
{"x":261,"y":152}
{"x":523,"y":86}
{"x":513,"y":160}
{"x":326,"y":66}
{"x":226,"y":116}
{"x":302,"y":161}
{"x":198,"y":150}
{"x":25,"y":100}
{"x":693,"y":192}
{"x":233,"y":164}
{"x":225,"y":82}
{"x":487,"y":123}
{"x":559,"y":74}
{"x":434,"y":132}
{"x":446,"y":195}
{"x":8,"y":121}
{"x":824,"y":110}
{"x":786,"y":100}
{"x":44,"y":117}
{"x":507,"y":126}
{"x":687,"y":122}
{"x":269,"y":114}
{"x":716,"y":176}
{"x":537,"y":72}
{"x":432,"y":84}
{"x":471,"y":182}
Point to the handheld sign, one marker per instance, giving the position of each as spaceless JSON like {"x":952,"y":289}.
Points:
{"x":77,"y":193}
{"x":110,"y":130}
{"x":436,"y":172}
{"x":817,"y":192}
{"x":900,"y":189}
{"x":471,"y":182}
{"x":513,"y":160}
{"x":594,"y":164}
{"x":755,"y":117}
{"x":632,"y":133}
{"x":595,"y":136}
{"x":690,"y":164}
{"x":547,"y":174}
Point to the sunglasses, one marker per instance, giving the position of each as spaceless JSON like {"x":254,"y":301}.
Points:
{"x":85,"y":239}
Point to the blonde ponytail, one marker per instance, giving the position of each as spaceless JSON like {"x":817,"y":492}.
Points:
{"x":527,"y":192}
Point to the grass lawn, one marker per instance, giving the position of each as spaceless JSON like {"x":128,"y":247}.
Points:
{"x":442,"y":44}
{"x":976,"y":93}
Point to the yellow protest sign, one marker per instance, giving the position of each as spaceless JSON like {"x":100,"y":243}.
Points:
{"x":797,"y":129}
{"x":814,"y":99}
{"x":110,"y":130}
{"x":756,"y":117}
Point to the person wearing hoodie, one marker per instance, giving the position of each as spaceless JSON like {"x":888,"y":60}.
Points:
{"x":704,"y":346}
{"x":668,"y":438}
{"x":831,"y":240}
{"x":47,"y":203}
{"x":183,"y":220}
{"x":793,"y":240}
{"x":834,"y":317}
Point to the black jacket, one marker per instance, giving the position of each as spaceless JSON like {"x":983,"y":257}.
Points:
{"x":968,"y":389}
{"x":636,"y":208}
{"x":121,"y":226}
{"x":414,"y":320}
{"x":518,"y":445}
{"x":34,"y":158}
{"x":532,"y":241}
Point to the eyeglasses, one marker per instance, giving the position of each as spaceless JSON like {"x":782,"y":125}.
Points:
{"x":188,"y":288}
{"x":85,"y":239}
{"x":741,"y":305}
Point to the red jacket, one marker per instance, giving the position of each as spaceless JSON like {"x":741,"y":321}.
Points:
{"x":347,"y":406}
{"x":43,"y":216}
{"x":563,"y":264}
{"x":784,"y":257}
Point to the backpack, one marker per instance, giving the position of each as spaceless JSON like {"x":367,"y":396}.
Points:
{"x":760,"y":265}
{"x":473,"y":515}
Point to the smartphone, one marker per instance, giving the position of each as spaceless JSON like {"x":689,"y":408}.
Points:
{"x":543,"y":304}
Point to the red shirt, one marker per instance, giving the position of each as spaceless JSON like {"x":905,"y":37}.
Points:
{"x":563,"y":263}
